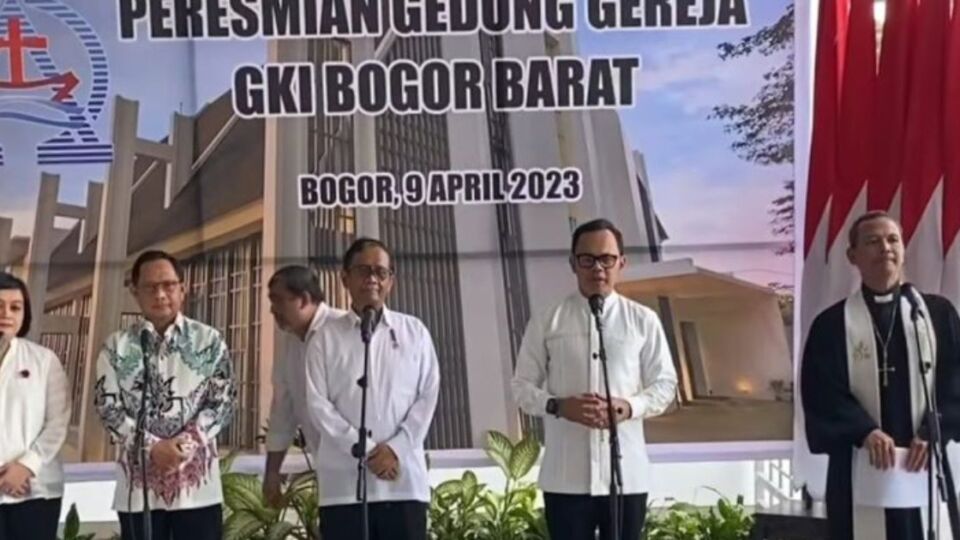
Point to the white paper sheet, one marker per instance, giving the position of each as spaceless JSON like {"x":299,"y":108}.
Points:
{"x":892,"y":488}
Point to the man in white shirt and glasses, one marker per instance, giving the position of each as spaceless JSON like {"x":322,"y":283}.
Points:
{"x":559,"y":377}
{"x":404,"y":382}
{"x":299,"y":308}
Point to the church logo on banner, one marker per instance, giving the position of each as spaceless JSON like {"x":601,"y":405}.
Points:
{"x":54,"y":78}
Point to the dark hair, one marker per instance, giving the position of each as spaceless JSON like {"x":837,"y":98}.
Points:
{"x":299,"y":280}
{"x":9,"y":281}
{"x":361,"y":244}
{"x":596,"y":226}
{"x":151,"y":256}
{"x":853,"y":235}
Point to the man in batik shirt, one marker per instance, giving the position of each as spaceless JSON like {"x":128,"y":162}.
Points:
{"x":189,"y":401}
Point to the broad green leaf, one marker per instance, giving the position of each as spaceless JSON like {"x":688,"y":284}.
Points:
{"x":450,"y":487}
{"x":523,"y":458}
{"x":280,"y":531}
{"x":499,"y":449}
{"x":469,"y":480}
{"x":226,"y":462}
{"x":244,"y":492}
{"x":71,"y":528}
{"x":241,"y":526}
{"x":300,"y":488}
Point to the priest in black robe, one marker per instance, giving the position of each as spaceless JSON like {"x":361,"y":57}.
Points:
{"x":861,"y":381}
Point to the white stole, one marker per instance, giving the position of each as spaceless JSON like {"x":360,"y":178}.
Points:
{"x":862,"y":366}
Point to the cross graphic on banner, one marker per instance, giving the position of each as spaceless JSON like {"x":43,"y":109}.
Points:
{"x":17,"y":43}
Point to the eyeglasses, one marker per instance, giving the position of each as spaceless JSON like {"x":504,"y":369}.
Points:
{"x":364,"y":271}
{"x":587,"y":261}
{"x":153,"y":288}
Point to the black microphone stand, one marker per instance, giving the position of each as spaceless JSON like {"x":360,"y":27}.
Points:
{"x":360,"y":449}
{"x":616,"y":473}
{"x":936,"y":447}
{"x":141,"y":436}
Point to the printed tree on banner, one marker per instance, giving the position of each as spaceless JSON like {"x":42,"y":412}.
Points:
{"x":764,"y":127}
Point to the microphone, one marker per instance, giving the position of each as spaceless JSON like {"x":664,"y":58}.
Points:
{"x":145,"y":347}
{"x":596,"y":304}
{"x":144,"y":341}
{"x":368,"y":321}
{"x":911,"y":293}
{"x":141,"y":431}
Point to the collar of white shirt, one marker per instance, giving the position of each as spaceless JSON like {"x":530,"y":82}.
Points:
{"x":323,"y":311}
{"x":386,"y":318}
{"x":178,"y":326}
{"x":608,"y":300}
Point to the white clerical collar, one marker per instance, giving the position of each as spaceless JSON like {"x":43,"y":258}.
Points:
{"x":884,"y":298}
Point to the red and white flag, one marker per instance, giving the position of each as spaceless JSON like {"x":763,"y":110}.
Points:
{"x":923,"y":165}
{"x":951,"y":190}
{"x":823,"y":176}
{"x":893,"y":85}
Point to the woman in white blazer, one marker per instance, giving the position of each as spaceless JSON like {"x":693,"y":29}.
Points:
{"x":34,"y":416}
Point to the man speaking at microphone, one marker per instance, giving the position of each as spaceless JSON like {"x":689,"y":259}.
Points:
{"x":189,"y":400}
{"x":404,"y":382}
{"x":559,"y":377}
{"x":863,"y":392}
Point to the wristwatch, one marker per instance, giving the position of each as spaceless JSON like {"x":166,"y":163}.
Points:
{"x":553,"y":407}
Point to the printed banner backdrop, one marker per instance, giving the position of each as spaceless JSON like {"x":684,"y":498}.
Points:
{"x":244,"y":138}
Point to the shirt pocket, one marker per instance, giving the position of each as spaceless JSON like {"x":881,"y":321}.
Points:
{"x":623,"y":357}
{"x":568,"y":364}
{"x":401,"y":376}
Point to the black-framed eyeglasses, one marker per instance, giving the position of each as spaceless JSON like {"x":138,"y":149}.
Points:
{"x":364,"y":271}
{"x":588,"y":261}
{"x":153,"y":288}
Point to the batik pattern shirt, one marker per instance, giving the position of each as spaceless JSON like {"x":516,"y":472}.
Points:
{"x":191,"y":392}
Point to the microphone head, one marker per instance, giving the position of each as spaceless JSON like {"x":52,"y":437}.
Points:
{"x":368,"y":316}
{"x":144,"y":340}
{"x":907,"y":289}
{"x":911,"y":293}
{"x":596,"y":303}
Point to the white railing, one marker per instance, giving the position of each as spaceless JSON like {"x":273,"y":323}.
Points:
{"x":774,"y":480}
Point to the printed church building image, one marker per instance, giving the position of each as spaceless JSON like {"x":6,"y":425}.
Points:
{"x":219,"y":192}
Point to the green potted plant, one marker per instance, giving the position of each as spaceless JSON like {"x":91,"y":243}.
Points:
{"x":464,"y":509}
{"x":71,"y":526}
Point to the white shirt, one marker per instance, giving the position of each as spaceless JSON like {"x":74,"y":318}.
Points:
{"x":34,"y":416}
{"x":192,"y":394}
{"x":404,"y":382}
{"x":288,"y":408}
{"x":559,"y":358}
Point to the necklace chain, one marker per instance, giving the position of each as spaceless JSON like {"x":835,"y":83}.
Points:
{"x":885,"y":343}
